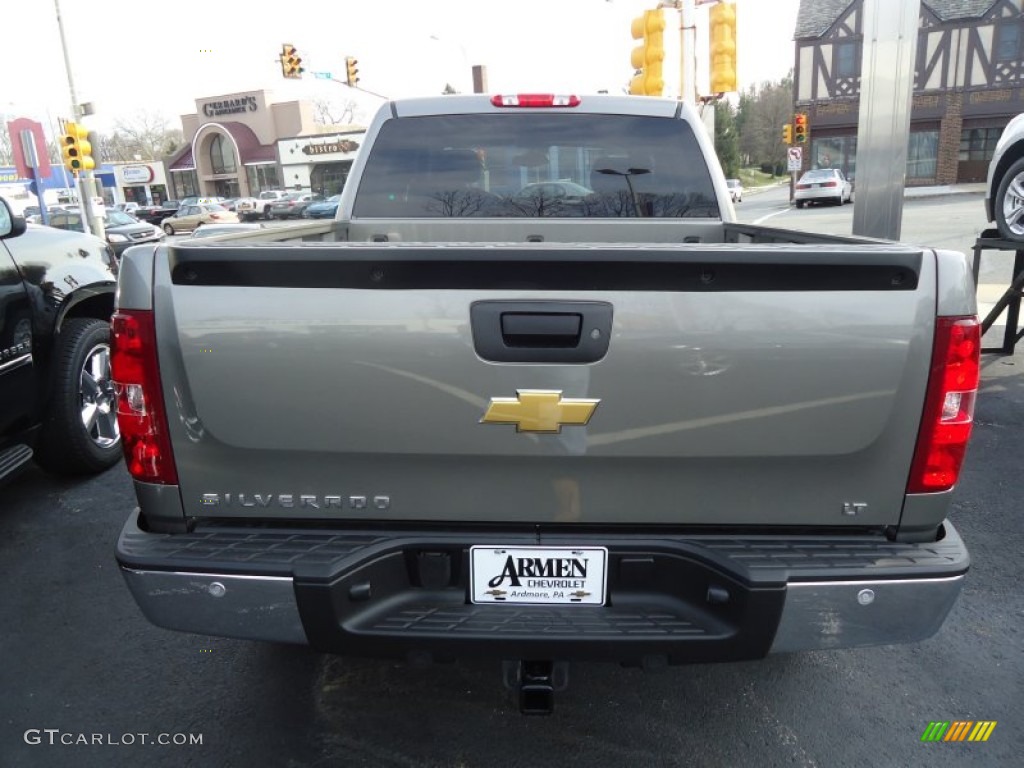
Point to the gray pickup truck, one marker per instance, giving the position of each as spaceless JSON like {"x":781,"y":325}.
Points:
{"x":535,"y":395}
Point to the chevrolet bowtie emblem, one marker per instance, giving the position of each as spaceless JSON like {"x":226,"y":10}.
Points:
{"x":539,"y":410}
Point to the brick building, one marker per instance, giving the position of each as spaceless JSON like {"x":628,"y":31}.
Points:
{"x":968,"y":83}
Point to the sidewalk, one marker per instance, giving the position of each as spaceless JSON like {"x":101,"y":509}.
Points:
{"x":947,"y":189}
{"x":974,"y":188}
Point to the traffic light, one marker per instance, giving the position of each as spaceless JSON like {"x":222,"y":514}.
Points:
{"x":787,"y":133}
{"x":722,"y":33}
{"x":291,"y":63}
{"x":76,"y":149}
{"x":800,"y":128}
{"x":647,"y":57}
{"x":351,"y":70}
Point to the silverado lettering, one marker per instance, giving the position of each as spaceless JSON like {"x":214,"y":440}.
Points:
{"x":288,"y":500}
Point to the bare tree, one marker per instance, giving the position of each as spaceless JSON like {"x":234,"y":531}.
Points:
{"x":6,"y":153}
{"x":329,"y":112}
{"x":763,"y":111}
{"x":146,"y":136}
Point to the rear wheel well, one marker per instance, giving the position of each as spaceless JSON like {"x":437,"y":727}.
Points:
{"x":99,"y":306}
{"x":1012,"y":155}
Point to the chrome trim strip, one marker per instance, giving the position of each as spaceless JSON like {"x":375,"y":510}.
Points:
{"x":850,"y":614}
{"x":17,"y":362}
{"x":246,"y":607}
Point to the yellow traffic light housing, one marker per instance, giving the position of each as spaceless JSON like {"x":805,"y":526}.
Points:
{"x":647,"y":57}
{"x":291,"y":62}
{"x":351,"y":70}
{"x":800,"y":128}
{"x":76,"y":149}
{"x":787,"y":133}
{"x":722,"y":33}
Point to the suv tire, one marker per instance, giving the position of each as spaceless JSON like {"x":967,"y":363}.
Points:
{"x":80,"y":433}
{"x":1014,"y":199}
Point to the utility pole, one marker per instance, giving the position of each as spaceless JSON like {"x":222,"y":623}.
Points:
{"x":883,"y":127}
{"x":86,"y":182}
{"x":688,"y":43}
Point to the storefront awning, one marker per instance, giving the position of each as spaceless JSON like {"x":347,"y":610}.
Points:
{"x":250,"y":151}
{"x":183,"y":163}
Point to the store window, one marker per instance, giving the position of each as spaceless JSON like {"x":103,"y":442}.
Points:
{"x":222,"y":155}
{"x":185,"y":184}
{"x":262,"y":177}
{"x":978,"y":144}
{"x":329,"y":178}
{"x":835,"y":152}
{"x":923,"y":154}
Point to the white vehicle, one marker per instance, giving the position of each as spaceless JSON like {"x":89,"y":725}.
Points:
{"x":249,"y":208}
{"x":1004,"y":192}
{"x":823,"y":185}
{"x":735,"y":190}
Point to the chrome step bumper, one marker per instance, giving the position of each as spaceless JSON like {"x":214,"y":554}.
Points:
{"x":371,"y":593}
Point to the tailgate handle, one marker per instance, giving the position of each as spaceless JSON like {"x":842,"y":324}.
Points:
{"x":541,"y":329}
{"x":518,"y":331}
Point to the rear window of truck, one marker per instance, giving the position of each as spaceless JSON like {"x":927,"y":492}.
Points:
{"x":535,"y":165}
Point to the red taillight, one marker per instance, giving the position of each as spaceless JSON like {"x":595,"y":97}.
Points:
{"x":535,"y":100}
{"x":803,"y":186}
{"x":948,"y":407}
{"x":830,"y":184}
{"x":140,"y":404}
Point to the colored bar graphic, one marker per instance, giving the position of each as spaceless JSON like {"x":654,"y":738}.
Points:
{"x":935,"y":731}
{"x":958,"y":730}
{"x":982,"y":730}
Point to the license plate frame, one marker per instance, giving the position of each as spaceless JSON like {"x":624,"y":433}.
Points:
{"x":518,"y":575}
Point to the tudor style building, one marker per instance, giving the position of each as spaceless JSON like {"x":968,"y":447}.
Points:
{"x":969,"y":82}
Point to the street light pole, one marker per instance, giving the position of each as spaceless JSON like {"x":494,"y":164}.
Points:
{"x":86,"y":182}
{"x":627,"y":174}
{"x":465,"y":58}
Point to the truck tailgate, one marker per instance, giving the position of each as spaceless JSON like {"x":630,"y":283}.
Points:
{"x":734,"y":384}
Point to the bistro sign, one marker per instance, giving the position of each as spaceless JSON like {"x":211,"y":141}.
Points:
{"x":230,"y":106}
{"x":345,"y":145}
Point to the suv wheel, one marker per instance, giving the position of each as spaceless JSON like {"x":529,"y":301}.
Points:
{"x":1008,"y":204}
{"x":80,"y":434}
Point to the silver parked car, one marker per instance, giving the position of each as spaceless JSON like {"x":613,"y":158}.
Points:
{"x":293,"y":206}
{"x":823,"y":185}
{"x":1004,"y":191}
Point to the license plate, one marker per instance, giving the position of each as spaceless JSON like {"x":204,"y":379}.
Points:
{"x":539,"y":575}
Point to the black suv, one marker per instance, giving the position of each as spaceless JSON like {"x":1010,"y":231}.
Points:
{"x":57,"y":402}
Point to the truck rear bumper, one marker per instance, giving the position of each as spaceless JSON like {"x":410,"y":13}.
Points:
{"x":671,"y":598}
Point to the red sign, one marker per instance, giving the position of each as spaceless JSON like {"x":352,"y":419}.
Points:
{"x":14,"y":129}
